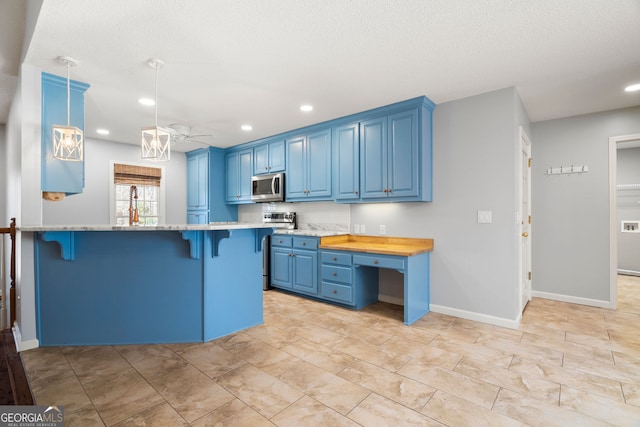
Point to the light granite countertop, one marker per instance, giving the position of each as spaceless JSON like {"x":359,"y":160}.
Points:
{"x":166,"y":227}
{"x":314,"y":233}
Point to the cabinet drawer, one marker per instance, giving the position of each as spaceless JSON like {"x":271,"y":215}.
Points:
{"x":381,"y":262}
{"x":305,"y":243}
{"x":335,"y":273}
{"x":339,"y":293}
{"x":336,"y":258}
{"x":280,"y":240}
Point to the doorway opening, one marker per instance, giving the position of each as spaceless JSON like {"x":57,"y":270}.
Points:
{"x":617,"y":143}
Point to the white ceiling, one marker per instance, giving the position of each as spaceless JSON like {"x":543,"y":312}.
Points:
{"x":231,"y":62}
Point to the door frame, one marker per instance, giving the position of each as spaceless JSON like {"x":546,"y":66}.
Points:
{"x":613,"y":210}
{"x":523,"y":216}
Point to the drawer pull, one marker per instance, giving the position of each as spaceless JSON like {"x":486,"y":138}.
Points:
{"x":304,"y":243}
{"x":335,"y":258}
{"x":334,"y":274}
{"x":375,"y":261}
{"x":279,"y":241}
{"x":335,"y":292}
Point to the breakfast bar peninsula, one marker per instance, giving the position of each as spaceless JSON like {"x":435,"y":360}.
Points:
{"x":105,"y":285}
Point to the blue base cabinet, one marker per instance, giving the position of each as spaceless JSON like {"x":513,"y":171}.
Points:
{"x":294,"y":263}
{"x":206,"y":199}
{"x":345,"y":284}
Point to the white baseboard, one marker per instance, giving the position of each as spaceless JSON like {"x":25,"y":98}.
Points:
{"x":478,"y":317}
{"x":571,"y":299}
{"x":391,"y":299}
{"x":23,"y":345}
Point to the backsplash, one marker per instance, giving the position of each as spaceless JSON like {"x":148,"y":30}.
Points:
{"x":324,"y":216}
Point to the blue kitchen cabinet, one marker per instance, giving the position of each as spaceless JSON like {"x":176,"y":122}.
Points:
{"x":390,"y":156}
{"x":239,"y":172}
{"x":346,"y":162}
{"x":294,"y":263}
{"x":60,"y":176}
{"x":268,"y":157}
{"x":206,"y":200}
{"x":309,"y":167}
{"x":198,"y":180}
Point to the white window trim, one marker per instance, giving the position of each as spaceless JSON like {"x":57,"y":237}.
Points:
{"x":162,"y":211}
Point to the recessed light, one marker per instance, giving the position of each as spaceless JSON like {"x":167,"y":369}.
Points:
{"x":102,"y":131}
{"x":632,"y":88}
{"x":306,"y":108}
{"x":147,"y":101}
{"x":246,"y":128}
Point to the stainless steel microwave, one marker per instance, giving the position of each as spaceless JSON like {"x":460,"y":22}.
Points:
{"x":267,"y":188}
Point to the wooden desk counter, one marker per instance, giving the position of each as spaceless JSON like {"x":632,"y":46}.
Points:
{"x":401,"y":246}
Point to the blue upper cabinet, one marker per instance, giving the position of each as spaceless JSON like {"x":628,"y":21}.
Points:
{"x":206,"y":198}
{"x":390,"y":156}
{"x":309,"y":167}
{"x":269,"y":157}
{"x":239,"y":166}
{"x":346,"y":162}
{"x":61,"y":175}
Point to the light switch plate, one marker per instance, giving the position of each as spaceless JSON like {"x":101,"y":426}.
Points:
{"x":484,"y":217}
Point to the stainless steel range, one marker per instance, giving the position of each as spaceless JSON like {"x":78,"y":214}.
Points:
{"x":283,"y":220}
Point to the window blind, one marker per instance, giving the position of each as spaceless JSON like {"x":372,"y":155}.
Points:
{"x":136,"y":175}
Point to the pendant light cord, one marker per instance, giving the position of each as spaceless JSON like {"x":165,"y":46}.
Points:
{"x":156,"y":95}
{"x":68,"y":95}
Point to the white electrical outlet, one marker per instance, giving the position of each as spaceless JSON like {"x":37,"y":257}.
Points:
{"x":362,"y":229}
{"x":356,"y":228}
{"x":383,"y":229}
{"x":484,"y":217}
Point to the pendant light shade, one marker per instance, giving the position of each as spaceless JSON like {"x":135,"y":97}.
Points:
{"x":68,"y":141}
{"x":156,"y":141}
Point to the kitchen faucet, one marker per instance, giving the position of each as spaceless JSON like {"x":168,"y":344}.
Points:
{"x":133,"y":207}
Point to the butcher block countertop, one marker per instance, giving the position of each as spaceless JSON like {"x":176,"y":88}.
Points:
{"x":401,"y":246}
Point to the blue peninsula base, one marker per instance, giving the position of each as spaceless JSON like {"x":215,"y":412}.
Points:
{"x":141,"y":287}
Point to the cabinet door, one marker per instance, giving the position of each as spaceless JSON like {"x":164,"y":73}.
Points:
{"x":261,"y":159}
{"x":403,"y":155}
{"x":295,"y":182}
{"x":276,"y":156}
{"x":281,"y":267}
{"x":232,"y":177}
{"x":373,"y":158}
{"x":198,"y":181}
{"x":318,"y":162}
{"x":346,"y":162}
{"x":245,"y":170}
{"x":305,"y":271}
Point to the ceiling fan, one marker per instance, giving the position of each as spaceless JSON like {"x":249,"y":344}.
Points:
{"x":181,"y":134}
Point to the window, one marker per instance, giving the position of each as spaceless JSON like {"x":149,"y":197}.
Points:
{"x":144,"y":182}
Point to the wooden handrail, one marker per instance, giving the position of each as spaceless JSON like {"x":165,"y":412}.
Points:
{"x":11,"y":230}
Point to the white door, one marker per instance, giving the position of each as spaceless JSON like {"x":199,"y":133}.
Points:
{"x":525,"y":220}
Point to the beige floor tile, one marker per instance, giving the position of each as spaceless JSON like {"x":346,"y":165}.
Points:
{"x":151,"y":360}
{"x":44,"y":362}
{"x":385,"y":358}
{"x":309,"y":412}
{"x":121,"y":396}
{"x":260,"y":354}
{"x":631,"y":392}
{"x":532,"y":386}
{"x":529,"y":351}
{"x":569,"y":377}
{"x":432,"y":355}
{"x":86,"y":417}
{"x":393,"y":386}
{"x":319,"y":355}
{"x":212,"y":359}
{"x":618,"y":372}
{"x":563,"y":346}
{"x":599,"y":407}
{"x":325,"y":387}
{"x":63,"y":389}
{"x":190,"y":392}
{"x":454,"y":411}
{"x":272,"y":335}
{"x":262,"y":392}
{"x":160,"y":415}
{"x":375,"y":410}
{"x":318,"y":335}
{"x":234,"y":413}
{"x":480,"y":352}
{"x":476,"y":391}
{"x":94,"y":363}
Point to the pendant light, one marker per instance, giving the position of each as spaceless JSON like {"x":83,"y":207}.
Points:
{"x":68,"y":141}
{"x":156,"y":140}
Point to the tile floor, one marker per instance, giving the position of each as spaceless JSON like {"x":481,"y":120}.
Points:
{"x":316,"y":364}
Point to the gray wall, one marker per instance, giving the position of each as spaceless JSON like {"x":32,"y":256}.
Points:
{"x":571,"y":212}
{"x":92,"y":205}
{"x":475,"y":153}
{"x":628,"y":209}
